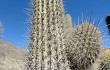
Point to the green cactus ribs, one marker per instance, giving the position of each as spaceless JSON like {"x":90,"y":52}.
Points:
{"x":84,"y":46}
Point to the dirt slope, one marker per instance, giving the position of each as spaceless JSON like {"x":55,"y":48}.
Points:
{"x":11,"y":57}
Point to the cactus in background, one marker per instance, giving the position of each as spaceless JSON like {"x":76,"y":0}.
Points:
{"x":105,"y":60}
{"x":46,"y":49}
{"x":68,"y":21}
{"x":68,"y":27}
{"x":1,"y":30}
{"x":83,"y":46}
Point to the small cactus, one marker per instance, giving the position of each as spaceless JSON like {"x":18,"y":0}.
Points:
{"x":105,"y":60}
{"x":84,"y":46}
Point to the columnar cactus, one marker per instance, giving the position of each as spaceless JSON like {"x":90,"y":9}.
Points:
{"x":83,"y":46}
{"x":68,"y":27}
{"x":68,"y":22}
{"x":1,"y":30}
{"x":46,"y":49}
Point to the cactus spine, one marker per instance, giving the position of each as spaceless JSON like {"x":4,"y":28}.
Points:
{"x":47,"y":43}
{"x":84,"y":46}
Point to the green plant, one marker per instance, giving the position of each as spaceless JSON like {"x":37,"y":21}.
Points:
{"x":83,"y":46}
{"x":46,"y":48}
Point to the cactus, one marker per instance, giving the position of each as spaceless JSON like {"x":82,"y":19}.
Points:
{"x":1,"y":30}
{"x":83,"y":46}
{"x":46,"y":48}
{"x":105,"y":60}
{"x":68,"y":27}
{"x":68,"y":21}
